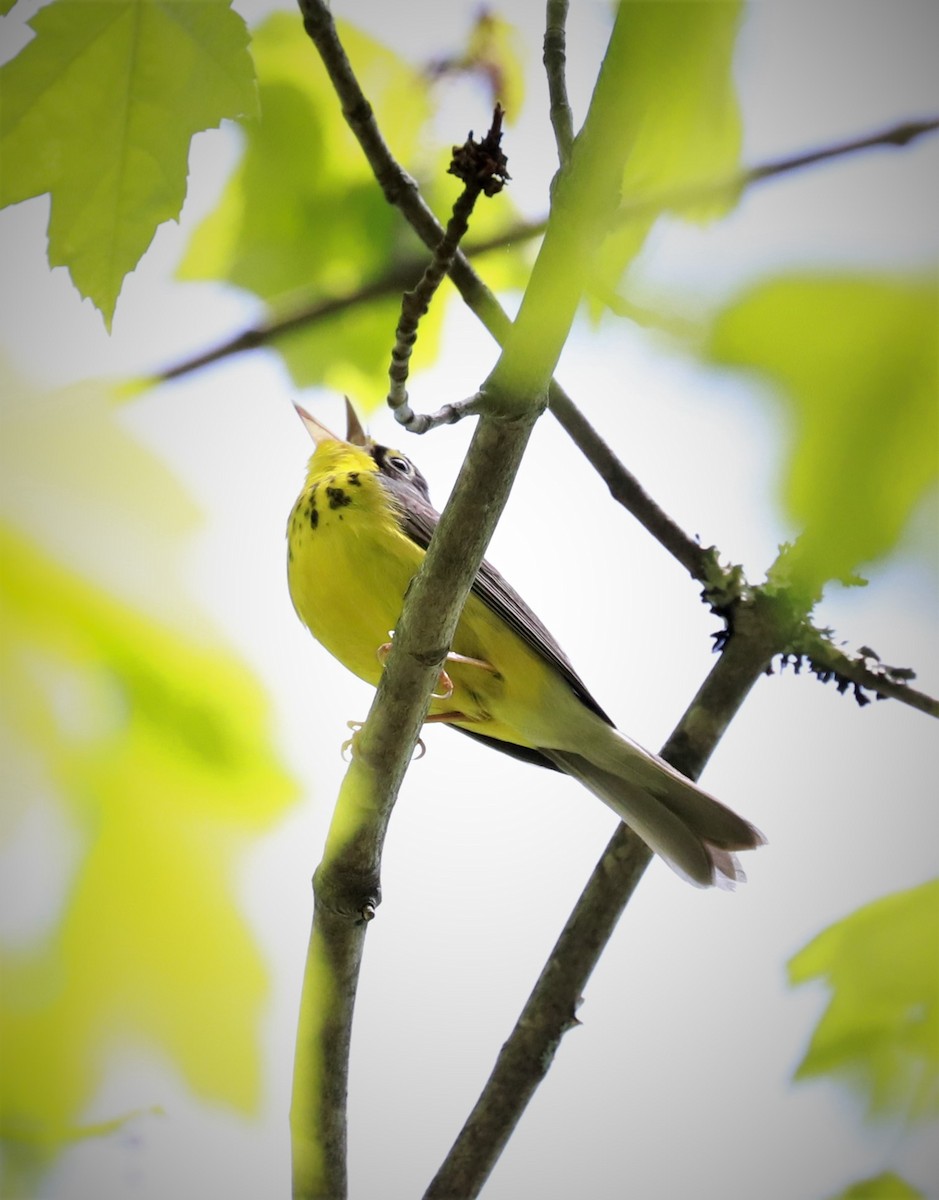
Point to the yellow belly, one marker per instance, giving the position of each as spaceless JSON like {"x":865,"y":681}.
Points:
{"x":347,"y":578}
{"x":348,"y":571}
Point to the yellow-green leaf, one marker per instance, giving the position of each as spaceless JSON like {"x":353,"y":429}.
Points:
{"x":70,"y":468}
{"x":99,"y":109}
{"x":855,"y":359}
{"x":303,"y":210}
{"x":880,"y":1032}
{"x":150,"y":750}
{"x":685,"y":127}
{"x":886,"y":1186}
{"x":304,"y":221}
{"x":158,"y":750}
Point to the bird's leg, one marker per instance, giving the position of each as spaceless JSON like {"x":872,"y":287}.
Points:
{"x":471,"y":662}
{"x":444,"y":682}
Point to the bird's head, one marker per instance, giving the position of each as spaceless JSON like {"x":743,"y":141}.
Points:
{"x":358,"y":452}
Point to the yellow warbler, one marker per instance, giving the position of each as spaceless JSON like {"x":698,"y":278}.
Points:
{"x":356,"y":536}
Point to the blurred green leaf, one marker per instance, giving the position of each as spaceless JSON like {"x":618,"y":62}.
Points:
{"x":303,"y":210}
{"x":71,"y":469}
{"x":685,"y":128}
{"x":880,"y":1032}
{"x":158,"y":749}
{"x":855,"y":359}
{"x":881,"y":1187}
{"x":99,"y":110}
{"x":303,"y":218}
{"x":153,"y":750}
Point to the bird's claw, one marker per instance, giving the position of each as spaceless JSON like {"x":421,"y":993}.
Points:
{"x":445,"y":683}
{"x":347,"y":749}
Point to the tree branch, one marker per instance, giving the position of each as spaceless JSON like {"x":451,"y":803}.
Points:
{"x":477,"y":297}
{"x":761,"y":629}
{"x":862,"y":673}
{"x":347,"y":882}
{"x":555,"y":63}
{"x":482,"y":167}
{"x":895,"y":135}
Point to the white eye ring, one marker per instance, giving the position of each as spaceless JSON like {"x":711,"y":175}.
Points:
{"x":400,"y":464}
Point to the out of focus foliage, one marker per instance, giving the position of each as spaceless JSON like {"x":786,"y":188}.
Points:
{"x":685,"y":128}
{"x":880,"y":1031}
{"x":302,"y":220}
{"x":147,"y":750}
{"x":881,"y":1187}
{"x":854,"y":360}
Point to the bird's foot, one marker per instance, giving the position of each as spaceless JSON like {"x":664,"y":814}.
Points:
{"x":444,"y":682}
{"x":347,"y":749}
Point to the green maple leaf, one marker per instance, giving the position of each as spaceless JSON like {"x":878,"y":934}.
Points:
{"x":855,"y":364}
{"x":685,"y":128}
{"x":99,"y":110}
{"x":880,"y":1032}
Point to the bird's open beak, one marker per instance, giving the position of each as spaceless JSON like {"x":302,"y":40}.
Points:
{"x":319,"y":433}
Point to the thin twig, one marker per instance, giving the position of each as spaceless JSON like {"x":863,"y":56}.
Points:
{"x":551,"y":1010}
{"x":626,"y":489}
{"x":482,"y":167}
{"x":396,"y":279}
{"x":895,"y":135}
{"x":555,"y":62}
{"x":861,"y":674}
{"x":477,"y":297}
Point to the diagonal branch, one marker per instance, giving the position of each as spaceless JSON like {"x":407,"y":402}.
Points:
{"x":690,"y":197}
{"x":861,"y":673}
{"x":550,"y":1011}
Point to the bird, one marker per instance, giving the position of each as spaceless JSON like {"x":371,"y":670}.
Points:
{"x":356,"y":536}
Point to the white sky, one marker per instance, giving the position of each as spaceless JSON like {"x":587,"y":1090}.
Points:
{"x":678,"y":1082}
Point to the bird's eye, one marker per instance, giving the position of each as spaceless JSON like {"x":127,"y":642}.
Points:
{"x":399,"y":463}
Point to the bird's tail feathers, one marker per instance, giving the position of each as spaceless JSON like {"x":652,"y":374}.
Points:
{"x":693,"y":832}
